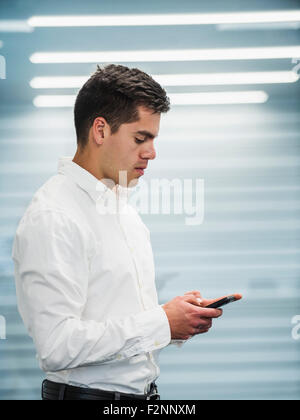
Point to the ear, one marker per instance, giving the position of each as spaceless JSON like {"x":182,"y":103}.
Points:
{"x":99,"y":129}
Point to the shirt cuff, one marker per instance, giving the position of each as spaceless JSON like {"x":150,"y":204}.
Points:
{"x":155,"y":328}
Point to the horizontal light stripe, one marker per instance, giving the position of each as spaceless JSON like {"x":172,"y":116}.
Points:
{"x":207,"y":79}
{"x":218,"y":98}
{"x":11,"y":25}
{"x":56,"y":101}
{"x":207,"y":98}
{"x":280,"y":26}
{"x":204,"y":79}
{"x":196,"y":163}
{"x":200,"y":253}
{"x":166,"y":19}
{"x":229,"y":190}
{"x":214,"y":208}
{"x":214,"y":54}
{"x":53,"y":82}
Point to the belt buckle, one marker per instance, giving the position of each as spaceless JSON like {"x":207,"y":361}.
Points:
{"x":153,"y":394}
{"x":154,"y":397}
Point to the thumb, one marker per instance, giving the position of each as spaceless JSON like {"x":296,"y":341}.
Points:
{"x":192,"y":299}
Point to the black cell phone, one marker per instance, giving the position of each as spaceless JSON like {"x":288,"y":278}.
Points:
{"x":223,"y":301}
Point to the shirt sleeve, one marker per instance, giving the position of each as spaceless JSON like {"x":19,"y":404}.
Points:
{"x":51,"y":257}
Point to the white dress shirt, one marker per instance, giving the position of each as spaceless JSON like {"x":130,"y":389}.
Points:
{"x":85,"y":285}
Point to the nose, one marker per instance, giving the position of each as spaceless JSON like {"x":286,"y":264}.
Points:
{"x":149,"y":151}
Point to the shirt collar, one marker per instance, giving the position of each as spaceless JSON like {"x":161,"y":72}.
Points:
{"x":88,"y":182}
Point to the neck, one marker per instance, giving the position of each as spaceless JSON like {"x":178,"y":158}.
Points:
{"x":86,"y":161}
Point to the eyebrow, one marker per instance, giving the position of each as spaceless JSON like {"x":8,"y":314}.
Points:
{"x":146,"y":133}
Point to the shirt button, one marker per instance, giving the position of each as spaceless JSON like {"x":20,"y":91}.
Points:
{"x":119,"y":356}
{"x":157,"y":343}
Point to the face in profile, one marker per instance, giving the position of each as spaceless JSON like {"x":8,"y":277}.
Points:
{"x":130,"y":149}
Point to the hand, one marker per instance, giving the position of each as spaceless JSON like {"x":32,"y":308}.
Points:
{"x":186,"y":316}
{"x":201,"y":302}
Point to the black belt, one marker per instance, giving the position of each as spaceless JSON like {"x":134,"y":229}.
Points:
{"x":57,"y":391}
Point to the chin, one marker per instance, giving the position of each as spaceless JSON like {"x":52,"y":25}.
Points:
{"x":133,"y":183}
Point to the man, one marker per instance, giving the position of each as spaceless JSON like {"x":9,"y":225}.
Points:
{"x":85,"y":276}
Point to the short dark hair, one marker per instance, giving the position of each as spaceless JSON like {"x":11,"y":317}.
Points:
{"x":114,"y":92}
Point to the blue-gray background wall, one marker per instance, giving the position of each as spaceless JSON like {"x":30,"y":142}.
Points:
{"x":249,"y":158}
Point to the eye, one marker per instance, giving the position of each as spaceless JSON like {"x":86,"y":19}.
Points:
{"x":138,"y":141}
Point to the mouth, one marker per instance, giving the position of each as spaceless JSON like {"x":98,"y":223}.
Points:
{"x":140,"y":171}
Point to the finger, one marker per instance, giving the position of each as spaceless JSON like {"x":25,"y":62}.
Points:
{"x":202,"y":323}
{"x":209,"y":312}
{"x":204,"y":331}
{"x":208,"y":323}
{"x":194,"y":292}
{"x":196,"y":295}
{"x":186,"y":337}
{"x":201,"y":330}
{"x":191,"y":299}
